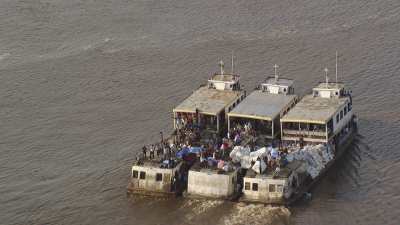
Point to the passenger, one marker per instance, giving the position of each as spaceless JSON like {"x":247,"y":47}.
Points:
{"x":159,"y":149}
{"x":277,"y":170}
{"x":151,"y":152}
{"x":144,"y":149}
{"x":223,"y":148}
{"x":237,"y":139}
{"x":165,"y":150}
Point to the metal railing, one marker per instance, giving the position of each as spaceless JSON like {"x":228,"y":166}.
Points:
{"x":306,"y":133}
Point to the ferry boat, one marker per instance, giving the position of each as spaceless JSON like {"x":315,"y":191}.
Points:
{"x":268,"y":147}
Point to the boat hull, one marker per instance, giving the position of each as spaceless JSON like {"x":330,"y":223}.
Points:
{"x":340,"y":150}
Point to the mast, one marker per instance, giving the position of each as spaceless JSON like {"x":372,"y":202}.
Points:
{"x":221,"y":65}
{"x":336,"y":71}
{"x":276,"y":74}
{"x":232,"y":63}
{"x":326,"y":77}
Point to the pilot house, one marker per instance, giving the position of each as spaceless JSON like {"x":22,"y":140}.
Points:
{"x":208,"y":105}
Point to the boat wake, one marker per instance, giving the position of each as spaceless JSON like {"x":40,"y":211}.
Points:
{"x":257,"y":214}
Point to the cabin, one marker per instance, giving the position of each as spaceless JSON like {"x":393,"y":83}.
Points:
{"x":207,"y":106}
{"x":271,"y":187}
{"x":264,"y":108}
{"x":211,"y":182}
{"x":152,"y":177}
{"x":320,"y":116}
{"x":263,"y":188}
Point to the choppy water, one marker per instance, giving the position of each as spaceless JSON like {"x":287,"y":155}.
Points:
{"x":83,"y":83}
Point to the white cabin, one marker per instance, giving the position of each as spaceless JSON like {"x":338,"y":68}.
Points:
{"x":211,"y":183}
{"x":275,"y":85}
{"x":320,"y":116}
{"x":150,"y":178}
{"x":273,"y":187}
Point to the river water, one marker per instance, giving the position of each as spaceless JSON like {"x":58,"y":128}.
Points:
{"x":84,"y":84}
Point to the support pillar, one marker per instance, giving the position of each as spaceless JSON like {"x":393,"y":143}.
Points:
{"x":174,"y":120}
{"x":218,"y":123}
{"x":326,"y":132}
{"x":272,"y":126}
{"x":229,"y":124}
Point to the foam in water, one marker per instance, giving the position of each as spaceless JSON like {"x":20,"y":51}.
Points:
{"x":257,"y":214}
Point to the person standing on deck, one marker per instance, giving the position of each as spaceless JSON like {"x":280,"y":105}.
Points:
{"x":144,"y":149}
{"x":151,"y":152}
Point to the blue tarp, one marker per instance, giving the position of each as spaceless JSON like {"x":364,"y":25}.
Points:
{"x":211,"y":161}
{"x":185,"y":151}
{"x":195,"y":150}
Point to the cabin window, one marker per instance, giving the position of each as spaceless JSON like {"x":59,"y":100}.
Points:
{"x":135,"y":174}
{"x":337,"y":118}
{"x":255,"y":187}
{"x":279,"y":188}
{"x":142,"y":175}
{"x":341,"y":114}
{"x":345,"y":110}
{"x":158,"y":176}
{"x":247,"y":186}
{"x":271,"y":188}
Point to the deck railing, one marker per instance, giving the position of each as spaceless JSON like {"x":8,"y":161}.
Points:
{"x":304,"y":133}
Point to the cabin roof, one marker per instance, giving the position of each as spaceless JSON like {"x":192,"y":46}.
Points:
{"x":225,"y":77}
{"x":331,"y":85}
{"x":314,"y":109}
{"x":208,"y":101}
{"x":262,"y":105}
{"x":280,"y":81}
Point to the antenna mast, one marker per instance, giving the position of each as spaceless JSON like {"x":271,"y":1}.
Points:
{"x":232,"y":62}
{"x":221,"y":65}
{"x":276,"y":74}
{"x":336,"y":68}
{"x":326,"y":77}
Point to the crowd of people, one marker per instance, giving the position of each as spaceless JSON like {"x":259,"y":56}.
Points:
{"x":188,"y":134}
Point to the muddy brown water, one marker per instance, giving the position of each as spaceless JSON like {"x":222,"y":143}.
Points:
{"x":84,"y":84}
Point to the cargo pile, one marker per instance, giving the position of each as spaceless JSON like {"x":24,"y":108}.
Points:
{"x":314,"y":157}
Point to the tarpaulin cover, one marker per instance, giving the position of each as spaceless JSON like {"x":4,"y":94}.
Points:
{"x":183,"y":152}
{"x":245,"y":157}
{"x":195,"y":150}
{"x":211,"y":161}
{"x":314,"y":157}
